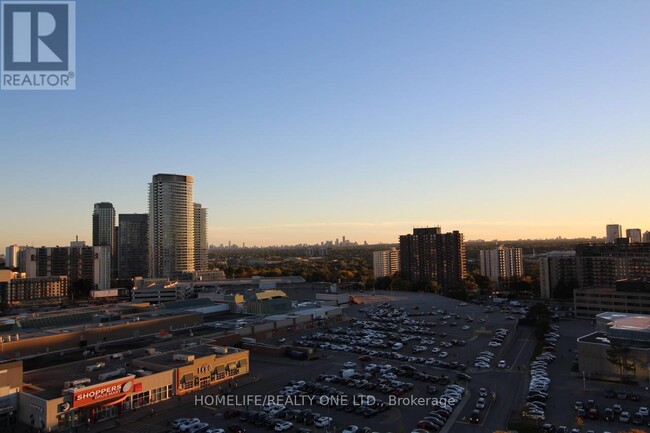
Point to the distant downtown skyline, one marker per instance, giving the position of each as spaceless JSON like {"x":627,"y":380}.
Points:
{"x":316,"y":232}
{"x":312,"y":233}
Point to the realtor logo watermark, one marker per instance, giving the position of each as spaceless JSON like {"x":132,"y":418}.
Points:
{"x":38,"y":45}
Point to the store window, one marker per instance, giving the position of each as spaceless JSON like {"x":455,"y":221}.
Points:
{"x":140,"y":399}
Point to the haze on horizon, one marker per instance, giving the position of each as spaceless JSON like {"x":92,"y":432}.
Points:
{"x":303,"y":122}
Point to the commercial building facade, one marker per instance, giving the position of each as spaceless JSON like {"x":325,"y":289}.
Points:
{"x":161,"y":292}
{"x":557,"y":274}
{"x":385,"y":263}
{"x":85,"y":393}
{"x":428,"y":255}
{"x":11,"y":381}
{"x":171,"y":225}
{"x":631,"y":332}
{"x":628,"y":297}
{"x":502,"y":263}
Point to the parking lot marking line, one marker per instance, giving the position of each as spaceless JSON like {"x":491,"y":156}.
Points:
{"x":519,"y":354}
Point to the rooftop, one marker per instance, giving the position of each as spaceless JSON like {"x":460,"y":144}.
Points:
{"x":638,"y":323}
{"x":48,"y":382}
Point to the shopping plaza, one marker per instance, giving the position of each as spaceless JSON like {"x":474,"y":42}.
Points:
{"x":100,"y":388}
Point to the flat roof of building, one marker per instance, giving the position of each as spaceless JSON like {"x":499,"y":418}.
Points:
{"x":638,"y":323}
{"x":165,"y":360}
{"x":48,"y":382}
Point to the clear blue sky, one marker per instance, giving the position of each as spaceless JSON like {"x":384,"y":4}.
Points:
{"x":304,"y":121}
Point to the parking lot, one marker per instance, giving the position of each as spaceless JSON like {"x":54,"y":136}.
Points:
{"x":569,"y":388}
{"x":418,"y":373}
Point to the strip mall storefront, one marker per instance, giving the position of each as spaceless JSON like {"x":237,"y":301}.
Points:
{"x":96,"y":403}
{"x":210,"y":371}
{"x":104,"y":401}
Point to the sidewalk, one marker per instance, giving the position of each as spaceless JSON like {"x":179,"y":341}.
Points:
{"x":144,"y":413}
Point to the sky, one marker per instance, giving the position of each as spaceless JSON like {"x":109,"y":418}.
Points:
{"x":306,"y":121}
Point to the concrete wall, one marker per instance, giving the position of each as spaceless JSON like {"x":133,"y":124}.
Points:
{"x":32,"y":407}
{"x":333,"y":298}
{"x":593,"y":361}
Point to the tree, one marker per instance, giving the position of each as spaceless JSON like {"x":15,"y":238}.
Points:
{"x":538,"y":316}
{"x":617,"y":355}
{"x":485,"y":284}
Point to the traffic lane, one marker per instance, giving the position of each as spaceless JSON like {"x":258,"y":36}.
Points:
{"x":519,"y":350}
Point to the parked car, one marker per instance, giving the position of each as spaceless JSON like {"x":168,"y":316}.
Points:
{"x":178,"y":421}
{"x":283,"y":426}
{"x":624,"y":417}
{"x":637,"y":418}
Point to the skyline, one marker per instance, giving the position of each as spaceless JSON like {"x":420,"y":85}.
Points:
{"x":305,"y":122}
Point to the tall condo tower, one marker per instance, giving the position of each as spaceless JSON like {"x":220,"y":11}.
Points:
{"x":171,"y":225}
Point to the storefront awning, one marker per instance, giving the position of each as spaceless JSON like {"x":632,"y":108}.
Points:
{"x":187,"y":378}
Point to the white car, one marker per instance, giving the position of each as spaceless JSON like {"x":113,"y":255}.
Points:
{"x":480,"y":404}
{"x":494,"y":344}
{"x":186,"y":426}
{"x":283,"y":426}
{"x":277,"y":408}
{"x":350,"y":364}
{"x":198,"y":427}
{"x":435,"y":350}
{"x":502,"y":364}
{"x":215,"y":430}
{"x":179,"y":421}
{"x":323,"y":421}
{"x":644,"y":411}
{"x":443,"y":355}
{"x":465,"y":328}
{"x":389,"y":376}
{"x":351,"y":429}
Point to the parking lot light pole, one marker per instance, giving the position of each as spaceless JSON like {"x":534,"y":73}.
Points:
{"x":584,"y":381}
